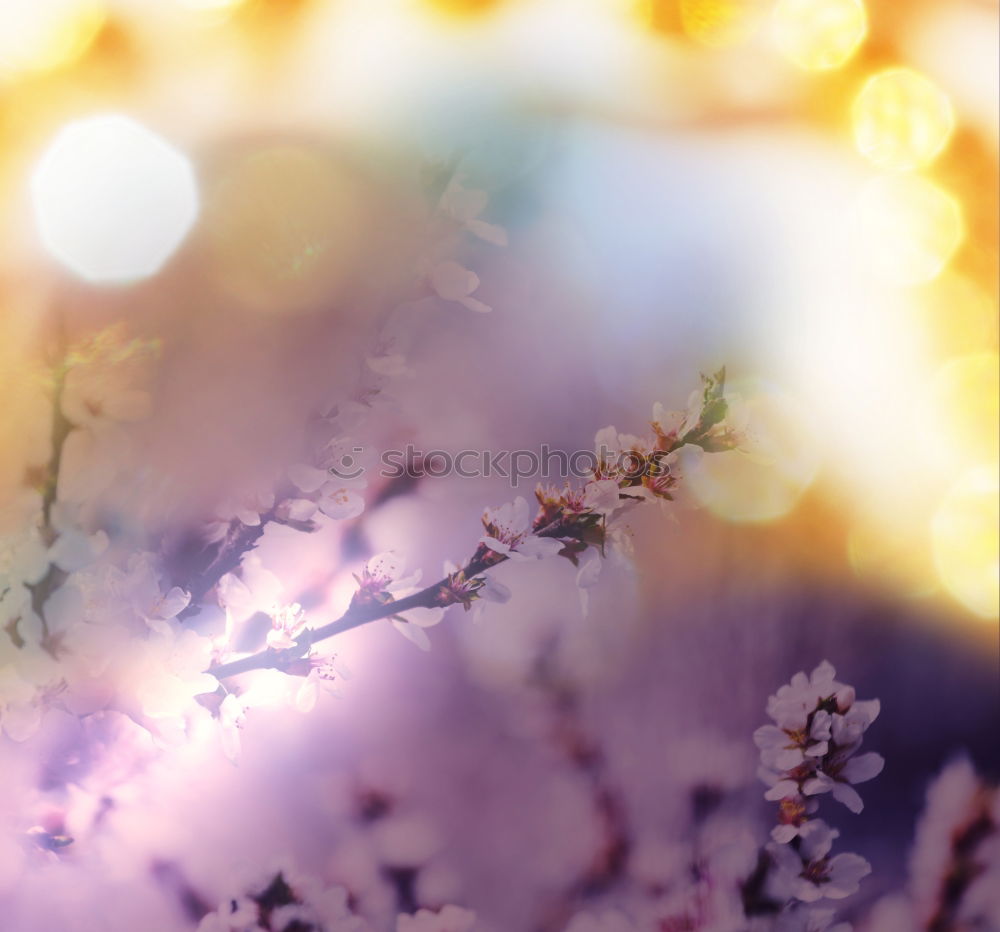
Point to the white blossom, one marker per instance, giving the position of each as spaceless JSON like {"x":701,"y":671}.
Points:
{"x":839,"y":777}
{"x":678,"y":422}
{"x":287,"y":623}
{"x":601,"y":496}
{"x":139,"y":593}
{"x":813,"y":746}
{"x":308,"y":478}
{"x":247,"y":505}
{"x":256,"y":589}
{"x":323,"y":671}
{"x":384,"y":573}
{"x":232,"y":716}
{"x":465,"y":205}
{"x":453,"y":282}
{"x":21,"y":710}
{"x":957,"y":800}
{"x":24,"y":560}
{"x":73,"y":548}
{"x":236,"y":915}
{"x":342,"y":499}
{"x":808,"y":873}
{"x":413,"y":622}
{"x":508,"y":532}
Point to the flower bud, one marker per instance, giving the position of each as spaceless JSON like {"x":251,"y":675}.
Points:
{"x":845,"y":698}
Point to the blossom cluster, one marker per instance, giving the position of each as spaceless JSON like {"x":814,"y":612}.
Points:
{"x":94,"y":620}
{"x":954,"y":866}
{"x":721,"y":879}
{"x":812,"y":749}
{"x":289,"y":903}
{"x":577,"y":523}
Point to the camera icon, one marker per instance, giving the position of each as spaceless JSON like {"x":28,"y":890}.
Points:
{"x":347,"y":465}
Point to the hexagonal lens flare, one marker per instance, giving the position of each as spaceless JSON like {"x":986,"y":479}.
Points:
{"x":113,"y":200}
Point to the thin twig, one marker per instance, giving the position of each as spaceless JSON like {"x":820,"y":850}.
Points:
{"x":430,"y":597}
{"x":60,"y":430}
{"x":570,"y":528}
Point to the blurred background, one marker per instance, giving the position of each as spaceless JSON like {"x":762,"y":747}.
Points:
{"x":804,"y":191}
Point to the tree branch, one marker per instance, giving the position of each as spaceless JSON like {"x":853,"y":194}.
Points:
{"x":436,"y":595}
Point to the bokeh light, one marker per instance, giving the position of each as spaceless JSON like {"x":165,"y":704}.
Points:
{"x":901,"y":119}
{"x":720,"y":23}
{"x":39,"y":35}
{"x":113,"y":200}
{"x":462,"y":7}
{"x":764,"y":479}
{"x":819,"y":35}
{"x":963,"y":410}
{"x":907,"y":228}
{"x":211,"y":12}
{"x":211,"y":5}
{"x":957,"y":316}
{"x":799,"y":192}
{"x":284,"y":226}
{"x":883,"y":551}
{"x":966,"y":545}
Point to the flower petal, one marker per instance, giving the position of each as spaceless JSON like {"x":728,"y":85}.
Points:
{"x":863,"y":767}
{"x":413,"y":633}
{"x":783,"y":834}
{"x":846,"y":794}
{"x":306,"y":477}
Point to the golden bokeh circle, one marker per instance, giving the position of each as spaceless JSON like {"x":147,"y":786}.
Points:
{"x":819,"y":35}
{"x":720,"y":23}
{"x":763,"y":480}
{"x":901,"y":119}
{"x":962,"y":416}
{"x":964,"y":533}
{"x":907,"y":228}
{"x":284,"y":227}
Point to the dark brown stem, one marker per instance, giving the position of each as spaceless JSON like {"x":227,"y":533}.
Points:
{"x":572,"y":527}
{"x":354,"y":617}
{"x":60,"y":430}
{"x":433,"y":596}
{"x":225,"y":559}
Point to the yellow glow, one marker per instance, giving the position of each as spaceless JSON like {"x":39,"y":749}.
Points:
{"x":819,"y":35}
{"x":211,"y":12}
{"x":39,"y":35}
{"x":965,"y":538}
{"x":720,"y":23}
{"x":284,"y":226}
{"x":211,"y":5}
{"x":908,"y":228}
{"x":112,"y":200}
{"x":462,"y":7}
{"x":901,"y":119}
{"x":763,"y":482}
{"x":884,"y":552}
{"x":963,"y":414}
{"x":957,"y":316}
{"x":269,"y":689}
